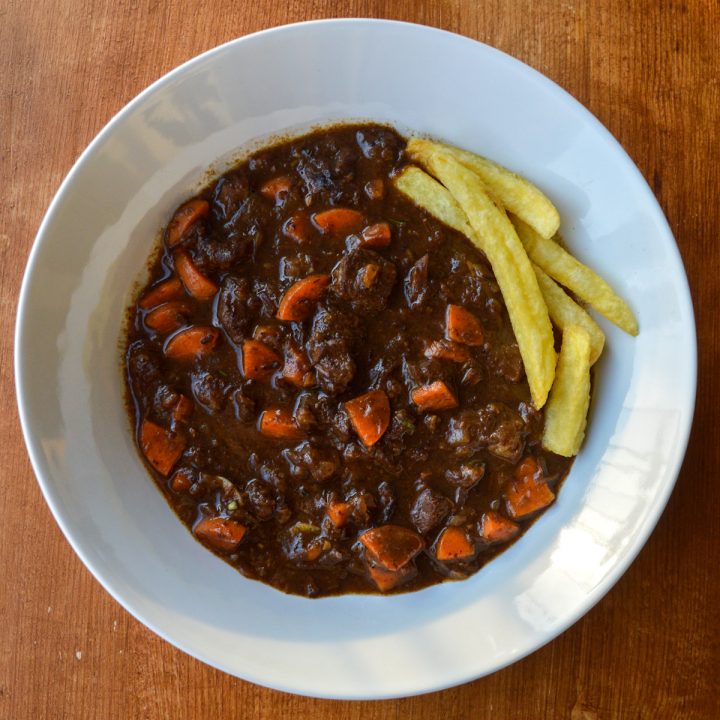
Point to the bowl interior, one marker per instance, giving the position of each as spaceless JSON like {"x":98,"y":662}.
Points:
{"x":92,"y":248}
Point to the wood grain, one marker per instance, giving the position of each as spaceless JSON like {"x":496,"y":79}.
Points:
{"x":650,"y":71}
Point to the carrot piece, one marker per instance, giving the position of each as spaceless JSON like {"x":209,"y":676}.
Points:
{"x":220,"y":533}
{"x":279,"y":424}
{"x":435,"y":396}
{"x":527,"y":492}
{"x":454,"y":545}
{"x":462,"y":326}
{"x":183,"y":219}
{"x":390,"y":579}
{"x":297,"y":369}
{"x":161,"y":447}
{"x":370,"y":415}
{"x":447,"y":350}
{"x":168,"y":317}
{"x":298,"y":228}
{"x":496,"y":528}
{"x":272,"y":188}
{"x":338,"y":512}
{"x":191,"y":342}
{"x":392,"y":546}
{"x":313,"y":552}
{"x":183,"y":409}
{"x":197,"y":284}
{"x":300,"y":299}
{"x":339,"y":221}
{"x":171,"y":289}
{"x":259,"y":362}
{"x":181,"y":481}
{"x":377,"y":235}
{"x":375,"y":189}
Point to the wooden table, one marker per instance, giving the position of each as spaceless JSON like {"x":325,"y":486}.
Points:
{"x":650,"y":70}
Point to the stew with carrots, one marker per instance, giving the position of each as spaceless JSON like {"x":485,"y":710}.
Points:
{"x":323,"y":379}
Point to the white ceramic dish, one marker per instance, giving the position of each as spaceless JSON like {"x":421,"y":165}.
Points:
{"x":93,"y":243}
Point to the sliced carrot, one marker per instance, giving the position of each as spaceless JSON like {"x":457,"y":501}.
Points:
{"x":435,"y":396}
{"x":183,"y":219}
{"x":171,"y":289}
{"x":496,"y":528}
{"x":272,"y":188}
{"x":377,"y":235}
{"x":161,"y":447}
{"x":279,"y":424}
{"x":314,"y":551}
{"x":168,"y":317}
{"x":462,"y":326}
{"x":389,"y":579}
{"x":338,"y":512}
{"x":259,"y":361}
{"x":191,"y":342}
{"x":197,"y":284}
{"x":339,"y":221}
{"x":370,"y":415}
{"x":447,"y":350}
{"x":392,"y":546}
{"x":181,"y":481}
{"x":297,"y":369}
{"x":453,"y":545}
{"x":183,"y":409}
{"x":221,"y":533}
{"x":527,"y":492}
{"x":375,"y":189}
{"x":298,"y":228}
{"x":299,"y":300}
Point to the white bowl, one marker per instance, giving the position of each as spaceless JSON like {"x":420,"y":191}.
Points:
{"x":93,"y":244}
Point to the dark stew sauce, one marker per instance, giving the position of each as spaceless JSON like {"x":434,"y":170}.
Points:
{"x":324,"y":380}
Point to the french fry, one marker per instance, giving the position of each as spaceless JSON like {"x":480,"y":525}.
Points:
{"x":517,"y":194}
{"x":560,"y":265}
{"x":566,"y":411}
{"x":496,"y":237}
{"x":430,"y":195}
{"x":564,"y":311}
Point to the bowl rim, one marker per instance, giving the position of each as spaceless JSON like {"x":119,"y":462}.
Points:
{"x":23,"y":310}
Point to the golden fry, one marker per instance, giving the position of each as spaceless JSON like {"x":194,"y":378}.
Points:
{"x":564,"y":311}
{"x":430,"y":195}
{"x":576,"y":277}
{"x":496,"y":237}
{"x":514,"y":192}
{"x":566,"y":411}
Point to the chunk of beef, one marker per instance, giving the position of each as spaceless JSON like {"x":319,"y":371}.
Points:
{"x":378,"y":144}
{"x":264,"y":298}
{"x":144,"y":364}
{"x":416,"y":285}
{"x":429,"y":510}
{"x":317,"y":178}
{"x":232,"y":309}
{"x":308,"y":459}
{"x":496,"y":427}
{"x":244,"y":406}
{"x":505,"y":361}
{"x":329,"y":348}
{"x":386,"y":502}
{"x":364,"y":278}
{"x":466,"y":476}
{"x":209,"y":390}
{"x":219,"y":253}
{"x":261,"y":498}
{"x":230,"y":193}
